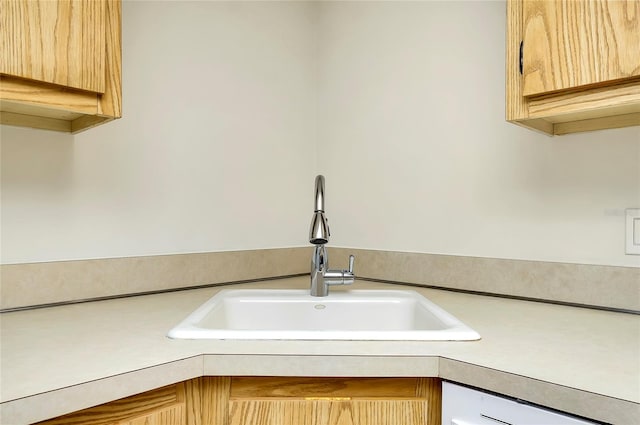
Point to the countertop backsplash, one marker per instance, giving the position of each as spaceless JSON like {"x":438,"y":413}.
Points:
{"x":40,"y":284}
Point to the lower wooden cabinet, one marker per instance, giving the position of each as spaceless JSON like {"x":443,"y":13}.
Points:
{"x":274,"y":401}
{"x":328,"y":412}
{"x":171,"y":405}
{"x":334,"y":401}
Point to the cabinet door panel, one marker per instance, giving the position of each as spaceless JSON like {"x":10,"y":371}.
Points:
{"x":60,"y":42}
{"x":328,"y":412}
{"x":570,"y":43}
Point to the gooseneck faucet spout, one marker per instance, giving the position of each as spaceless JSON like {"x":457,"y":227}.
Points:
{"x":321,"y":276}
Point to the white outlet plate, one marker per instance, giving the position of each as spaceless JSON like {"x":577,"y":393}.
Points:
{"x":633,"y":231}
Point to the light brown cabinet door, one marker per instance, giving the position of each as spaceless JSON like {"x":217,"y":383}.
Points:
{"x":573,"y":65}
{"x":579,"y":43}
{"x":333,"y":401}
{"x":328,"y":412}
{"x":55,"y":41}
{"x":60,"y":63}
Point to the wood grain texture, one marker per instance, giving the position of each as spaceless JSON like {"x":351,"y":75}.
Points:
{"x":586,"y":104}
{"x":215,"y":400}
{"x":32,"y":93}
{"x":373,"y":412}
{"x":61,"y":61}
{"x":569,"y":44}
{"x":322,"y":387}
{"x":263,"y":412}
{"x":60,"y":42}
{"x":190,"y":393}
{"x":328,"y":412}
{"x":110,"y":102}
{"x":125,"y":409}
{"x":334,"y":401}
{"x":431,"y":390}
{"x":172,"y":415}
{"x":257,"y":401}
{"x":592,"y":106}
{"x":516,"y":104}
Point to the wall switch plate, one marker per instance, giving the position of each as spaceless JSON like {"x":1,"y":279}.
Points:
{"x":633,"y":231}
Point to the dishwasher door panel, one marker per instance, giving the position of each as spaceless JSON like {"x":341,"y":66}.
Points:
{"x":466,"y":406}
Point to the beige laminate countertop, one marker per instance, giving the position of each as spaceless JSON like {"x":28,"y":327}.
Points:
{"x":61,"y":359}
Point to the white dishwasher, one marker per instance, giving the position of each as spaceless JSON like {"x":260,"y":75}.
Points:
{"x":465,"y":406}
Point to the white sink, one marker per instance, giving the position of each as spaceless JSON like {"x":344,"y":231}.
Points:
{"x":296,"y":315}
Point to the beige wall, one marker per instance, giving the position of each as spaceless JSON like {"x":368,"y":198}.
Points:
{"x":231,"y":108}
{"x":419,"y":157}
{"x":215,"y":150}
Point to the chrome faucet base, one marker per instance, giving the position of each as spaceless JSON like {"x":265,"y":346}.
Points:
{"x":322,"y":277}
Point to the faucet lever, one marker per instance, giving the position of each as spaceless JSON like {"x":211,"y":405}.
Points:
{"x":351,"y":260}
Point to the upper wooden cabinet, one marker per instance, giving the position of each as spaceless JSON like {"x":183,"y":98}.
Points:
{"x":573,"y":65}
{"x":571,"y":44}
{"x":60,"y":63}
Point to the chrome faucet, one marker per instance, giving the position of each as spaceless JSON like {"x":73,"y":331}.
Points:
{"x":321,"y":276}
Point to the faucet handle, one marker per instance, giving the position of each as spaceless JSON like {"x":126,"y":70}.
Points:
{"x":351,"y":261}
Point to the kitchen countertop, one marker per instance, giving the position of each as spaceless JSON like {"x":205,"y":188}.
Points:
{"x":61,"y":359}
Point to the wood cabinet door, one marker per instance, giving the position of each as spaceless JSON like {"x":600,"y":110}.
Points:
{"x":333,"y":401}
{"x":328,"y":412}
{"x":55,"y":41}
{"x":578,"y":43}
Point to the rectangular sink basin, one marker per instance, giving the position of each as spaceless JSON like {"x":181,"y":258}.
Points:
{"x":295,"y":315}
